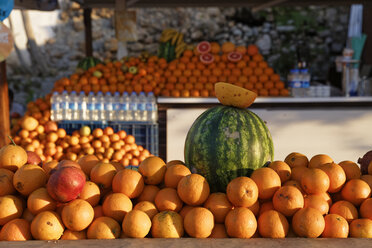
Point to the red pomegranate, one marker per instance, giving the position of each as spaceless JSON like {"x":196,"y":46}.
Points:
{"x":66,"y":183}
{"x":50,"y":126}
{"x":33,"y":158}
{"x":68,"y":163}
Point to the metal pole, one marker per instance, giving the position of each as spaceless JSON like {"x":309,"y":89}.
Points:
{"x":88,"y":32}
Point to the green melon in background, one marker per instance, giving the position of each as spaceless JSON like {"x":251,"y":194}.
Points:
{"x":227,"y":142}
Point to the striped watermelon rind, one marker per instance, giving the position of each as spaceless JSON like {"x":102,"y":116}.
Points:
{"x":227,"y":142}
{"x":88,"y":62}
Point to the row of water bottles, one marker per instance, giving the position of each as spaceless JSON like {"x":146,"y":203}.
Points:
{"x":104,"y":107}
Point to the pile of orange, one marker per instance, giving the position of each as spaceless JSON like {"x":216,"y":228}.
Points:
{"x":52,"y":143}
{"x":186,"y":76}
{"x":116,"y":77}
{"x":291,"y":198}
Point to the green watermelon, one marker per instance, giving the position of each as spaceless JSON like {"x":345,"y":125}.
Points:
{"x":227,"y":142}
{"x":88,"y":62}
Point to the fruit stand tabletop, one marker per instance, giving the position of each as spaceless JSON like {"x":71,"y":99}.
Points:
{"x":190,"y":242}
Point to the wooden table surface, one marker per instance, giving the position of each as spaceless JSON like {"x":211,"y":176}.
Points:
{"x":196,"y":243}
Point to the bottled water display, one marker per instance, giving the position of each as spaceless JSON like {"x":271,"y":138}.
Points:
{"x":77,"y":106}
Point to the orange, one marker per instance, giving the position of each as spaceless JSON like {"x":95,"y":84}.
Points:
{"x":255,"y":208}
{"x":104,"y":228}
{"x":288,"y":200}
{"x":27,"y":215}
{"x":308,"y":222}
{"x":136,"y":224}
{"x":242,"y":192}
{"x":148,"y":207}
{"x":315,"y":181}
{"x":356,"y":191}
{"x":361,"y":228}
{"x":90,"y":193}
{"x":215,"y":48}
{"x":336,"y":175}
{"x":199,"y":222}
{"x":102,"y":174}
{"x":265,"y":207}
{"x":367,"y":179}
{"x":267,"y":180}
{"x":98,"y":212}
{"x":296,"y":159}
{"x":335,"y":226}
{"x":185,"y":210}
{"x":298,"y":172}
{"x":219,"y":205}
{"x":317,"y":202}
{"x":39,"y":201}
{"x":29,"y":178}
{"x":228,"y":47}
{"x":167,"y":224}
{"x":87,"y":163}
{"x":283,"y":170}
{"x":16,"y":230}
{"x":240,"y":223}
{"x":252,"y":50}
{"x":346,"y":209}
{"x":319,"y":160}
{"x":272,"y":224}
{"x":218,"y":232}
{"x":365,"y":209}
{"x":193,"y":189}
{"x":77,"y":215}
{"x":74,"y":235}
{"x":11,"y":207}
{"x":174,"y":174}
{"x":152,"y":169}
{"x":296,"y":184}
{"x":6,"y":182}
{"x":149,"y":193}
{"x":116,"y":206}
{"x":128,"y":182}
{"x":351,"y":169}
{"x":47,"y":225}
{"x":167,"y":200}
{"x":326,"y":197}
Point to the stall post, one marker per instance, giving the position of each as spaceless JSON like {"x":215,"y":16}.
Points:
{"x":88,"y":31}
{"x":4,"y":106}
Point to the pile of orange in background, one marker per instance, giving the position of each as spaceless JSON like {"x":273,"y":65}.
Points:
{"x":192,"y":75}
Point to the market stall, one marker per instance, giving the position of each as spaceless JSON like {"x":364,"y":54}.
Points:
{"x":159,"y":146}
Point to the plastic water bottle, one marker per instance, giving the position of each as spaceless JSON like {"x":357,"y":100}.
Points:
{"x":124,"y":108}
{"x":91,"y":106}
{"x":108,"y":107}
{"x":73,"y":105}
{"x":152,"y":108}
{"x":64,"y":105}
{"x":82,"y":106}
{"x":142,"y":112}
{"x":133,"y":107}
{"x":99,"y":113}
{"x":55,"y":107}
{"x":115,"y":106}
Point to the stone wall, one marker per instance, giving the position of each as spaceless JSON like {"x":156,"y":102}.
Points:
{"x":319,"y":32}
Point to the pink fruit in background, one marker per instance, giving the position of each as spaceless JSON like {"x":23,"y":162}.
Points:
{"x":364,"y":162}
{"x":50,"y":126}
{"x":204,"y":47}
{"x":33,"y":158}
{"x":206,"y":58}
{"x":234,"y":56}
{"x":66,"y":183}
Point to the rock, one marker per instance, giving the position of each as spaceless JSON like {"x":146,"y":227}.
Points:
{"x":264,"y":42}
{"x":111,"y":45}
{"x":331,"y":14}
{"x":78,"y":25}
{"x":196,"y":35}
{"x":237,"y":32}
{"x":324,"y":33}
{"x":337,"y":47}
